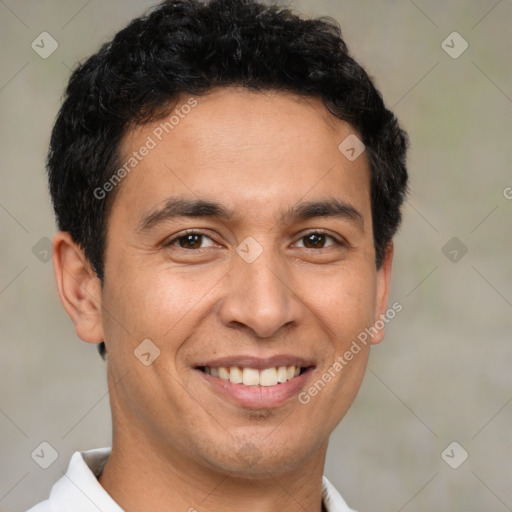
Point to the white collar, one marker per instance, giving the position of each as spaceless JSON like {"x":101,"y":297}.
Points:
{"x":80,"y":490}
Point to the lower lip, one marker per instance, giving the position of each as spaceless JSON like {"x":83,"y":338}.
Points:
{"x":258,"y":397}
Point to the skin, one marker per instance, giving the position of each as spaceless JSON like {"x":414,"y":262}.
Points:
{"x":178,"y":444}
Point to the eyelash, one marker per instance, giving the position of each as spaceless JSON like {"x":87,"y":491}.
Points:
{"x":195,"y":232}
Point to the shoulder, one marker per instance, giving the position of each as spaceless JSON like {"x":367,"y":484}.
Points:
{"x":78,"y":489}
{"x":44,"y":506}
{"x":332,"y":498}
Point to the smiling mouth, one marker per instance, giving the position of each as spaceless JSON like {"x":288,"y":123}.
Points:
{"x":254,"y":377}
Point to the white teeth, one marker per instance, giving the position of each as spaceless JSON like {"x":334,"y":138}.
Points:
{"x":268,"y":377}
{"x":235,"y":375}
{"x":282,"y":374}
{"x":252,"y":376}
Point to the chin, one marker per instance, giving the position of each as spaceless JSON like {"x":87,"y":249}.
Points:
{"x":256,"y":459}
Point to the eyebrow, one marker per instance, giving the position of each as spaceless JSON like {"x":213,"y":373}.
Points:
{"x":182,"y":207}
{"x":333,"y":208}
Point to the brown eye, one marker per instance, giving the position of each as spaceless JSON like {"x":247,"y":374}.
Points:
{"x":317,"y":240}
{"x":191,"y":240}
{"x":314,"y":240}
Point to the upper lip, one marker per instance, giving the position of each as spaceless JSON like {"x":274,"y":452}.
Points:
{"x":259,"y":363}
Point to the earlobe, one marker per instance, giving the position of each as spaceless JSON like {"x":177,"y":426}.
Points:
{"x":78,"y":286}
{"x":383,"y":286}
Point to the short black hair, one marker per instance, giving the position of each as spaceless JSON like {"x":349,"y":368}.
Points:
{"x":190,"y":47}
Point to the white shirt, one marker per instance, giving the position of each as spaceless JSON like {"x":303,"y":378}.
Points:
{"x":79,"y":490}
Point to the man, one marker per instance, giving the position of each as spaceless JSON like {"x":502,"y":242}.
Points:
{"x":227,"y":183}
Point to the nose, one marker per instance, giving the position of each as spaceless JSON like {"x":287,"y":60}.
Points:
{"x":260,"y":297}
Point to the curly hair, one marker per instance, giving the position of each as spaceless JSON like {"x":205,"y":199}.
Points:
{"x":192,"y":46}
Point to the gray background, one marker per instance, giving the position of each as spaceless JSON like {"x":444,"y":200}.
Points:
{"x":442,"y":374}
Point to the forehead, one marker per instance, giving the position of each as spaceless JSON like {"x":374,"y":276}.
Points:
{"x":245,"y":149}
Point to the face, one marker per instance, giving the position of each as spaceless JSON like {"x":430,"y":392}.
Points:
{"x":241,"y":246}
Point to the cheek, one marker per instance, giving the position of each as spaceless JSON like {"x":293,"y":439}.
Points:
{"x":344,"y":300}
{"x":157,"y":304}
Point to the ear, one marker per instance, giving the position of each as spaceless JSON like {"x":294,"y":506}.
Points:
{"x":78,"y":286}
{"x":382,"y":297}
